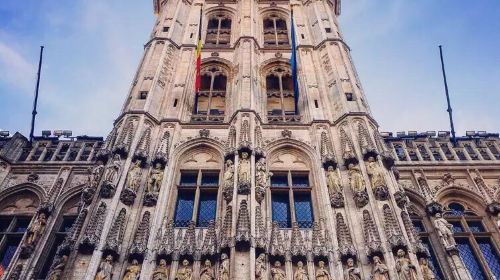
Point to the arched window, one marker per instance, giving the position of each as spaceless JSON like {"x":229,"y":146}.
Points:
{"x":280,"y":95}
{"x":291,"y":187}
{"x":62,"y":226}
{"x":474,"y":242}
{"x":16,"y":212}
{"x":275,"y":30}
{"x":197,"y":188}
{"x":219,"y":30}
{"x":211,"y":100}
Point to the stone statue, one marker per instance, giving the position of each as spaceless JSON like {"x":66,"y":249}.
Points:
{"x":351,"y":272}
{"x":161,"y":271}
{"x":134,"y":176}
{"x":444,"y":230}
{"x":207,"y":272}
{"x":224,"y":267}
{"x":260,"y":267}
{"x":380,"y":271}
{"x":95,"y":174}
{"x":132,"y":271}
{"x":321,"y":272}
{"x":277,"y":273}
{"x":260,"y":172}
{"x":406,"y":271}
{"x":113,"y":170}
{"x":155,"y":178}
{"x":333,"y":180}
{"x":185,"y":272}
{"x":300,"y":272}
{"x":105,"y":270}
{"x":58,"y":268}
{"x":36,"y":229}
{"x":427,"y":272}
{"x":244,"y":168}
{"x":376,"y":173}
{"x":229,"y":174}
{"x":356,"y":178}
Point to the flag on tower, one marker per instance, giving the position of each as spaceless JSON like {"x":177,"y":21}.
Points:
{"x":293,"y":64}
{"x":197,"y":84}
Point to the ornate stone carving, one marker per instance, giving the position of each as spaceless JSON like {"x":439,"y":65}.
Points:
{"x":115,"y":236}
{"x":261,"y":179}
{"x":321,"y":272}
{"x":401,"y":198}
{"x":57,"y":268}
{"x":16,"y":272}
{"x":335,"y":188}
{"x":391,"y":228}
{"x":260,"y":267}
{"x":348,"y":153}
{"x":227,"y":191}
{"x":161,"y":271}
{"x":346,"y":246}
{"x":371,"y":235}
{"x":357,"y":184}
{"x":132,"y":271}
{"x":427,"y":272}
{"x":259,"y":142}
{"x":122,"y":146}
{"x":320,"y":244}
{"x":326,"y":151}
{"x":154,"y":184}
{"x":226,"y":239}
{"x":93,"y":179}
{"x":231,"y":141}
{"x":445,"y":232}
{"x":300,"y":272}
{"x":351,"y":272}
{"x":185,"y":272}
{"x":297,"y":245}
{"x":276,"y":244}
{"x":93,"y":230}
{"x":224,"y":267}
{"x":105,"y":270}
{"x":33,"y":235}
{"x":379,"y":185}
{"x":207,"y":272}
{"x":420,"y":248}
{"x":277,"y":273}
{"x":32,"y":177}
{"x":243,"y":224}
{"x":210,"y":241}
{"x":163,"y":150}
{"x":365,"y":142}
{"x":405,"y":269}
{"x":260,"y":230}
{"x":128,"y":196}
{"x":286,"y":133}
{"x":204,"y":133}
{"x":69,"y":241}
{"x":111,"y":177}
{"x":245,"y":142}
{"x":142,"y":152}
{"x":380,"y":271}
{"x":188,"y":245}
{"x":244,"y":176}
{"x":140,"y":241}
{"x":134,"y":177}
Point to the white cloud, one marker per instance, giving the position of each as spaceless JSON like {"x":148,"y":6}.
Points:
{"x":16,"y":71}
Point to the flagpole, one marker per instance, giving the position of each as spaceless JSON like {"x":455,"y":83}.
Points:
{"x":449,"y":110}
{"x":35,"y":102}
{"x":198,"y":65}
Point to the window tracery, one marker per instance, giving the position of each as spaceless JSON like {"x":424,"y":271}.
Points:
{"x":275,"y":30}
{"x":219,"y":29}
{"x":210,"y":102}
{"x":280,"y":94}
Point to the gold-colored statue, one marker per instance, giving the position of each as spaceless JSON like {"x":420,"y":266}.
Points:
{"x":321,"y":272}
{"x":244,"y":168}
{"x":260,"y":267}
{"x":356,"y":178}
{"x":224,"y":267}
{"x":185,"y":272}
{"x":155,"y":178}
{"x":376,"y":173}
{"x":333,"y":180}
{"x":207,"y":272}
{"x":132,"y":271}
{"x":300,"y":272}
{"x":277,"y":273}
{"x":161,"y":271}
{"x":36,"y":229}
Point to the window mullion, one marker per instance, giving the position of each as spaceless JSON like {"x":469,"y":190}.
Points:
{"x":196,"y":197}
{"x":290,"y":197}
{"x":275,"y":32}
{"x":218,"y":31}
{"x":209,"y":105}
{"x":282,"y":98}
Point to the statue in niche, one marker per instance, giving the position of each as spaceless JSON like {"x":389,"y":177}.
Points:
{"x":376,"y":173}
{"x":134,"y":176}
{"x":161,"y":271}
{"x":224,"y":267}
{"x":207,"y":272}
{"x":404,"y":268}
{"x":277,"y":273}
{"x":300,"y":272}
{"x":58,"y":268}
{"x":36,"y":229}
{"x":321,"y":272}
{"x":185,"y":272}
{"x":333,"y":180}
{"x":427,"y":272}
{"x":132,"y":271}
{"x":351,"y":272}
{"x":244,"y":174}
{"x":260,"y":267}
{"x":356,"y":178}
{"x":113,"y":170}
{"x":380,"y":271}
{"x":261,"y":179}
{"x":229,"y":174}
{"x":105,"y":270}
{"x":155,"y":179}
{"x":445,"y":231}
{"x":95,"y":174}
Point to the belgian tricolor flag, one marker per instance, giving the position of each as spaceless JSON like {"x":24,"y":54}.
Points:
{"x":197,"y":84}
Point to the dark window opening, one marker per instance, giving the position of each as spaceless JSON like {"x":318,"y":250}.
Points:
{"x":328,"y":30}
{"x":316,"y":103}
{"x":349,"y":96}
{"x":175,"y":102}
{"x":143,"y":94}
{"x":165,"y":28}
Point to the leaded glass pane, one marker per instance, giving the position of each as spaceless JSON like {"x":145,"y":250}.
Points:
{"x":66,"y":224}
{"x":303,"y":210}
{"x":22,"y":225}
{"x":490,"y":255}
{"x":279,"y":181}
{"x":4,"y":223}
{"x":476,"y":226}
{"x":9,"y":251}
{"x":210,"y":179}
{"x":184,"y":208}
{"x":300,"y":180}
{"x":207,"y":208}
{"x":457,"y":226}
{"x":419,"y":226}
{"x":433,"y":261}
{"x":281,"y":209}
{"x":188,"y":179}
{"x":470,"y":259}
{"x":456,"y":209}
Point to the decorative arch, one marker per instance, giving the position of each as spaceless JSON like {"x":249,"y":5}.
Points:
{"x":219,"y":25}
{"x":279,"y":89}
{"x":275,"y":25}
{"x":37,"y":190}
{"x":452,"y":193}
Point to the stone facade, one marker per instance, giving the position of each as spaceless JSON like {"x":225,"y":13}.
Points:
{"x":234,"y":182}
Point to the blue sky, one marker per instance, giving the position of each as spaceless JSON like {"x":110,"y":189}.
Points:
{"x":93,"y":48}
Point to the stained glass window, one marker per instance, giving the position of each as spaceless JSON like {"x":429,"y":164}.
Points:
{"x":456,"y":209}
{"x":281,"y":209}
{"x":475,"y":226}
{"x":419,"y":227}
{"x":433,"y":262}
{"x":184,"y":208}
{"x":207,"y":208}
{"x":9,"y":251}
{"x":303,"y":210}
{"x":457,"y":226}
{"x":490,"y":255}
{"x":22,"y":225}
{"x":279,"y":181}
{"x":210,"y":179}
{"x":470,"y":259}
{"x":188,"y":179}
{"x":300,"y":180}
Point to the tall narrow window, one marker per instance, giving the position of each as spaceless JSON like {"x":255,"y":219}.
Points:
{"x":219,"y":30}
{"x":275,"y":31}
{"x":211,"y":98}
{"x":291,"y":190}
{"x":196,"y":197}
{"x":280,"y":95}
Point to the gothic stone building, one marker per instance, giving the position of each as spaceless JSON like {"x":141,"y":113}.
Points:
{"x":236,"y":182}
